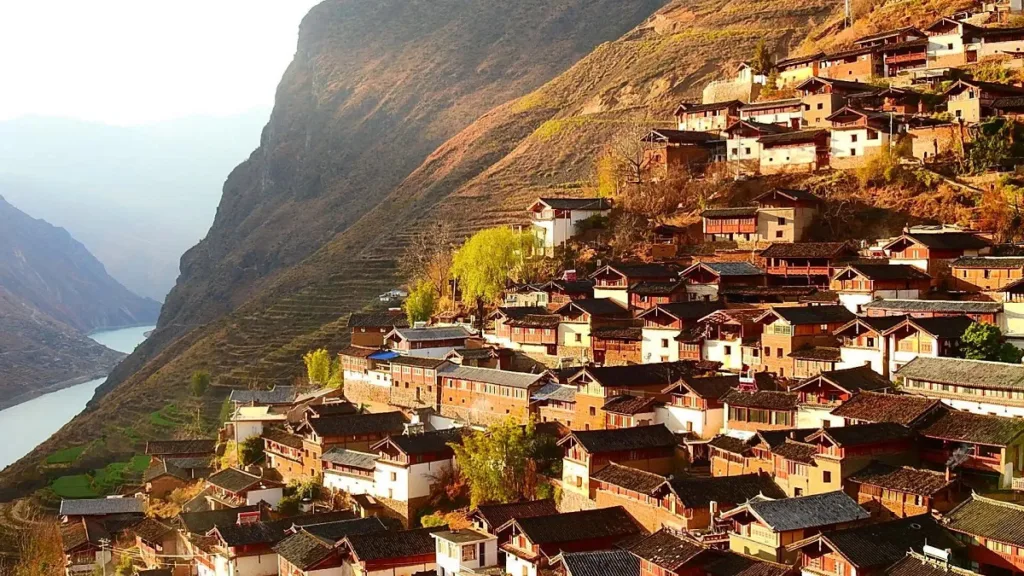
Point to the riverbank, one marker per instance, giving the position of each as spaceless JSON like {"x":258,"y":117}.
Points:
{"x":33,"y":394}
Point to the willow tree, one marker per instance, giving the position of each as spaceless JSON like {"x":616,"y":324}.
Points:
{"x":488,"y":261}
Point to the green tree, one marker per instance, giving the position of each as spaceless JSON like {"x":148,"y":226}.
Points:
{"x":985,"y":342}
{"x":199,"y":383}
{"x":318,"y":366}
{"x":251,"y":451}
{"x":421,"y":303}
{"x":487,"y":261}
{"x":990,"y":146}
{"x":761,"y":62}
{"x":498,"y":463}
{"x":337,"y":379}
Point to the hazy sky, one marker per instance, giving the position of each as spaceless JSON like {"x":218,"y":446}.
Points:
{"x":142,"y":61}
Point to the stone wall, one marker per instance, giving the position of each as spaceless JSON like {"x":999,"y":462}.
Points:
{"x":574,"y":502}
{"x":364,"y":393}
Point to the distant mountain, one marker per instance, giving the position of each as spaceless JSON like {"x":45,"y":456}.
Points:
{"x":45,"y":273}
{"x":137,"y":197}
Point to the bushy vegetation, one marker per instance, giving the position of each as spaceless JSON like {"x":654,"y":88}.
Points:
{"x":321,"y":369}
{"x":66,"y":456}
{"x":982,"y":341}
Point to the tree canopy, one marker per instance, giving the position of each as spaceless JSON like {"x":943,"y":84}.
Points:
{"x":321,"y":370}
{"x":985,"y":342}
{"x":489,"y":259}
{"x":761,"y":61}
{"x":421,"y":303}
{"x":498,"y":464}
{"x":199,"y":383}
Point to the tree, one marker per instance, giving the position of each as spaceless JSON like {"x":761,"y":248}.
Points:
{"x":498,"y":463}
{"x":421,"y":303}
{"x":628,"y":150}
{"x":428,"y":257}
{"x":761,"y":62}
{"x":199,"y":383}
{"x":337,"y":379}
{"x":318,"y":366}
{"x":251,"y":451}
{"x":487,"y":261}
{"x":985,"y":342}
{"x":990,"y":146}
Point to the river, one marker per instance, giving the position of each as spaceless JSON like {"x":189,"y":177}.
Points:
{"x":26,"y":425}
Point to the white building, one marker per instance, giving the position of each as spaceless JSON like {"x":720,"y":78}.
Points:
{"x":465,"y":552}
{"x":977,"y":386}
{"x":863,"y":343}
{"x":249,"y":421}
{"x":432,"y":342}
{"x":695,"y":405}
{"x":409,"y":465}
{"x":555,"y":220}
{"x":349,"y":471}
{"x":857,"y":134}
{"x":859,"y":284}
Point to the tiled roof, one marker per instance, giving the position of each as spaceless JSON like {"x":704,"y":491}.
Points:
{"x":351,"y":458}
{"x":642,"y":270}
{"x":161,"y":467}
{"x":1008,"y":103}
{"x":974,"y":428}
{"x":889,"y":271}
{"x":875,"y":323}
{"x":426,"y":442}
{"x":75,"y":534}
{"x":666,"y":550}
{"x":313,"y":543}
{"x":202,"y":522}
{"x":379,"y":423}
{"x":234,"y":480}
{"x":572,"y":286}
{"x":988,"y":518}
{"x":678,"y":136}
{"x":102,"y":506}
{"x":792,"y":137}
{"x":615,"y":440}
{"x":989,"y":262}
{"x":152,"y":530}
{"x":629,"y":405}
{"x":639,"y":375}
{"x":618,"y":333}
{"x":519,"y":312}
{"x":851,"y":380}
{"x":583,"y":525}
{"x":881,"y":544}
{"x":171,"y":447}
{"x":333,"y":408}
{"x":595,"y":307}
{"x":887,"y":34}
{"x":691,"y":107}
{"x":729,"y":444}
{"x":725,"y":490}
{"x":281,"y":437}
{"x":358,"y":351}
{"x":796,"y":451}
{"x":556,"y":391}
{"x":805,"y":250}
{"x":647,"y":288}
{"x":497,"y":515}
{"x":914,"y":564}
{"x":734,"y":268}
{"x":279,"y":395}
{"x":730,"y":212}
{"x":765,"y":399}
{"x":601,"y":563}
{"x":578,"y":203}
{"x":433,"y":333}
{"x":393,"y":544}
{"x":949,"y":327}
{"x":733,"y":564}
{"x":693,"y":310}
{"x":812,"y":314}
{"x":761,"y":127}
{"x":775,"y":438}
{"x":963,"y":372}
{"x":949,"y":240}
{"x":275,"y":531}
{"x":629,"y":478}
{"x":902,"y":479}
{"x":825,"y":509}
{"x":940,"y":306}
{"x":790,"y":193}
{"x":535,"y":321}
{"x":768,"y":291}
{"x":817,"y":353}
{"x":378,"y":319}
{"x":875,"y":407}
{"x":418,"y":361}
{"x":860,"y":434}
{"x":711,"y":387}
{"x":493,"y":376}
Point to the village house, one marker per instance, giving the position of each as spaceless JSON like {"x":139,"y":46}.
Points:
{"x":747,"y":412}
{"x":281,"y":397}
{"x":555,"y":402}
{"x":502,"y":331}
{"x":680,"y":503}
{"x":933,"y":252}
{"x":349,"y":471}
{"x":556,"y":220}
{"x":989,"y":274}
{"x":597,"y":562}
{"x":950,"y":43}
{"x":705,"y":280}
{"x":785,"y":215}
{"x":579,"y":318}
{"x":985,"y":312}
{"x":614,"y":280}
{"x":764,"y":528}
{"x":901,"y":491}
{"x":859,"y":134}
{"x":629,"y":411}
{"x":486,"y":396}
{"x":668,"y":239}
{"x":526,"y":295}
{"x":804,"y":263}
{"x":696,"y":406}
{"x":744,"y":453}
{"x":311,"y":550}
{"x":985,"y":449}
{"x":925,"y":338}
{"x":788,"y":329}
{"x":664,"y":322}
{"x":536,"y":540}
{"x":858,"y":284}
{"x":650,"y":448}
{"x":167,"y":475}
{"x":646,"y":295}
{"x":671,"y":553}
{"x":595,"y":385}
{"x":856,"y":65}
{"x":812,"y":360}
{"x":670,"y":154}
{"x":865,"y":407}
{"x":155,"y":541}
{"x":563,"y":291}
{"x":730,"y":224}
{"x":433,"y":342}
{"x":743,"y":146}
{"x":990,"y":530}
{"x":97,"y":509}
{"x":354,"y":432}
{"x":165,"y":449}
{"x":869,"y":550}
{"x":85,"y":544}
{"x":972,"y":101}
{"x":713,"y":117}
{"x":466,"y":551}
{"x":796,"y":152}
{"x":498,"y":358}
{"x":731,"y":337}
{"x":745,"y":85}
{"x":391,"y":552}
{"x":367,"y":374}
{"x":820,"y":394}
{"x":234,"y":487}
{"x":367,"y":329}
{"x":787,"y":112}
{"x":414,"y":381}
{"x":822,"y":96}
{"x":977,"y":386}
{"x":407,"y":468}
{"x":794,"y":70}
{"x":862,"y":343}
{"x":493,"y":519}
{"x":890,"y":44}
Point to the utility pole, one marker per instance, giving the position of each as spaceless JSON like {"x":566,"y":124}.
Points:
{"x":104,"y":542}
{"x":849,"y":16}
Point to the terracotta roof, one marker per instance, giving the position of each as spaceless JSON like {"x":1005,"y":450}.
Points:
{"x":881,"y":544}
{"x":629,"y":478}
{"x":725,"y":490}
{"x":851,"y":380}
{"x":729,"y":212}
{"x":639,"y":375}
{"x":620,"y":439}
{"x":963,"y":372}
{"x":667,"y":550}
{"x":536,"y":321}
{"x":764,"y":399}
{"x":578,"y":203}
{"x":171,"y":447}
{"x":805,"y":250}
{"x":729,"y":444}
{"x":974,"y":428}
{"x":876,"y":407}
{"x":797,"y":315}
{"x":630,"y":405}
{"x":804,"y":512}
{"x":358,"y":351}
{"x":378,"y":319}
{"x":281,"y":437}
{"x":988,"y":518}
{"x":902,"y":479}
{"x":601,"y":563}
{"x":393,"y":544}
{"x":567,"y":527}
{"x":711,"y":387}
{"x":817,"y":354}
{"x":497,"y":515}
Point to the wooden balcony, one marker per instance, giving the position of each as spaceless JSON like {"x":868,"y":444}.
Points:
{"x":800,"y":270}
{"x":904,"y":58}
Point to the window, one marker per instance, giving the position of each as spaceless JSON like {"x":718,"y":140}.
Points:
{"x":853,"y":137}
{"x":664,"y":342}
{"x":593,"y":411}
{"x":821,"y":105}
{"x":778,"y":233}
{"x":853,"y":151}
{"x":782,"y":221}
{"x":468,"y":553}
{"x":728,"y":350}
{"x":798,"y":491}
{"x":746,"y":150}
{"x":735,"y":151}
{"x":826,"y":476}
{"x":778,"y":352}
{"x":394,"y":477}
{"x":579,"y":337}
{"x":949,"y":46}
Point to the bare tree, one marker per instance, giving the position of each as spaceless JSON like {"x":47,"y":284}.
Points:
{"x":629,"y":148}
{"x":429,"y":256}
